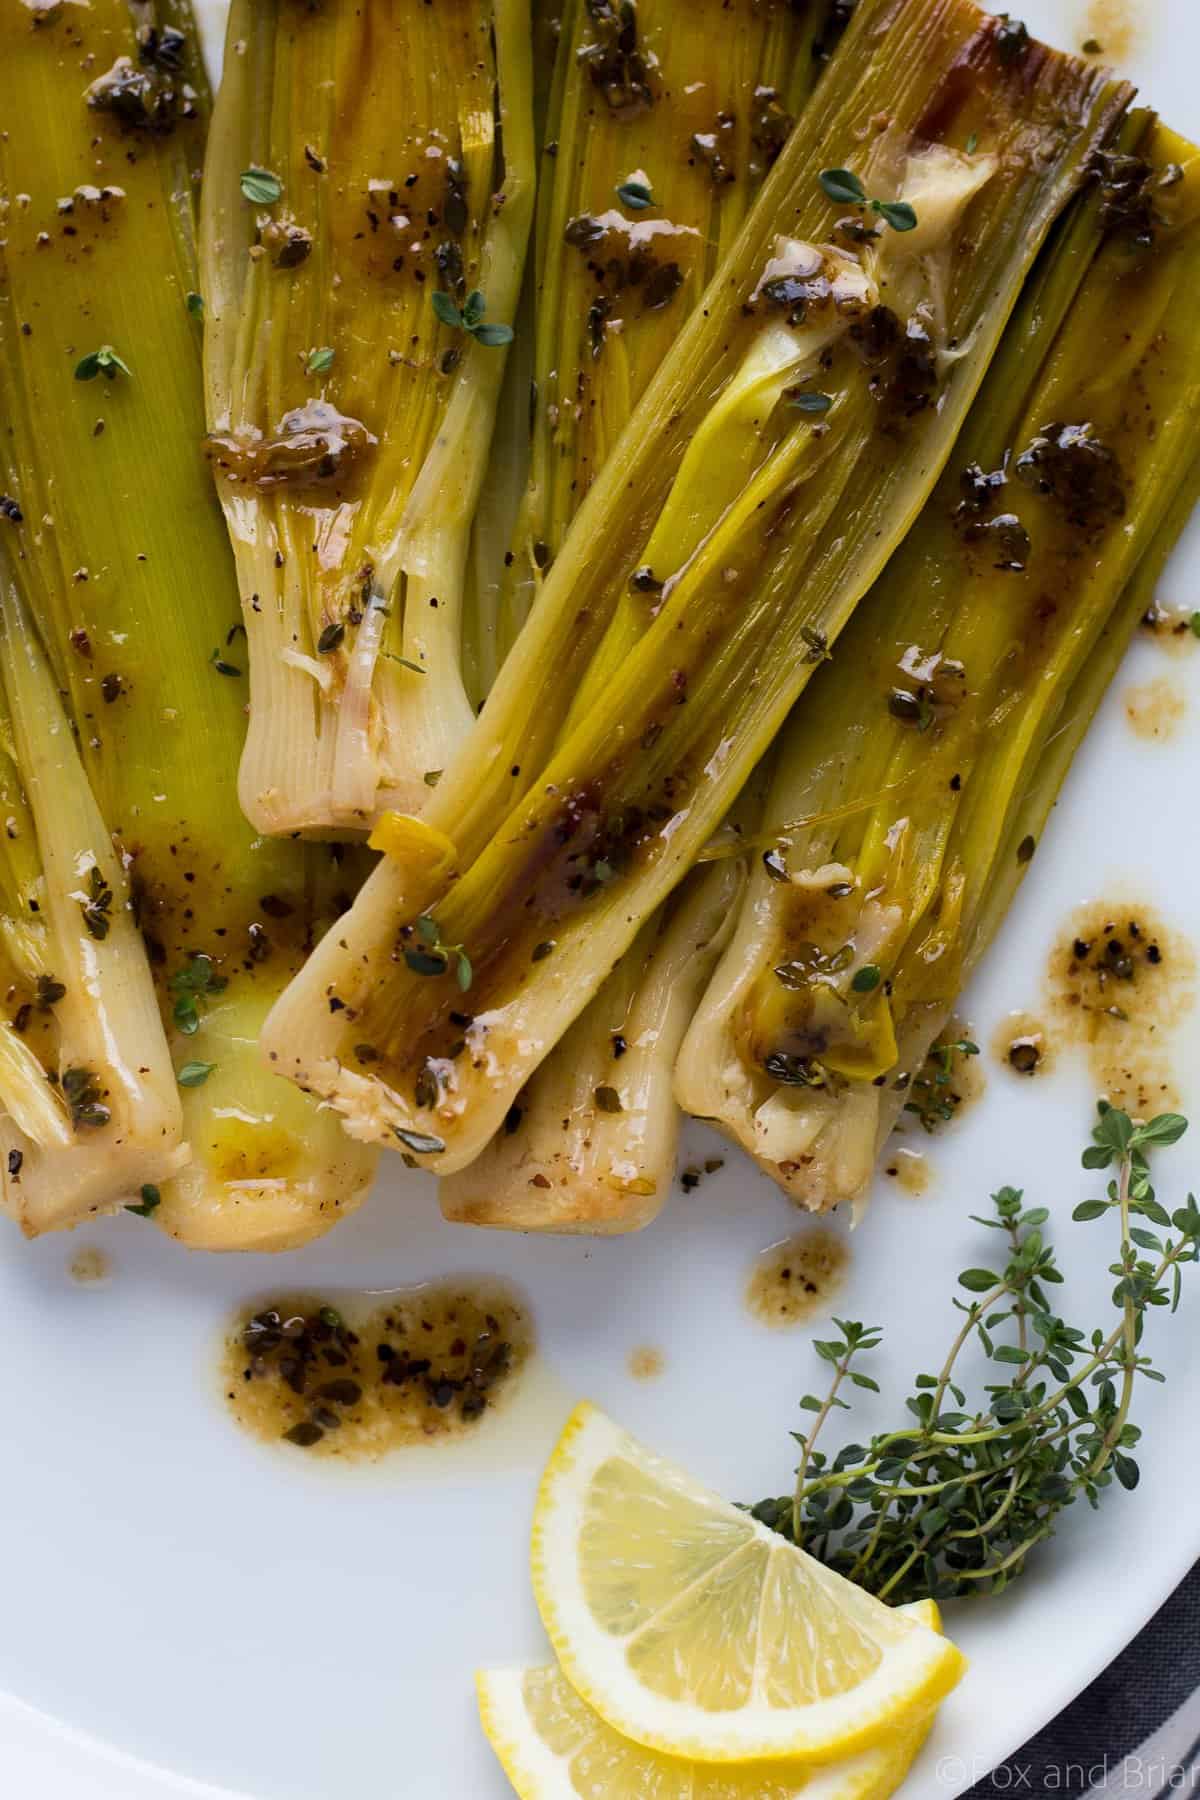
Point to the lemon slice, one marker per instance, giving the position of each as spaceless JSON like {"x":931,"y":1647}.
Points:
{"x":552,"y":1746}
{"x":695,"y":1631}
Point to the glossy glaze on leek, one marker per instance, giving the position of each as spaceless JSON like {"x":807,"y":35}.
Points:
{"x":718,"y":555}
{"x":120,"y":557}
{"x":350,"y":425}
{"x":928,"y":756}
{"x":89,"y":1107}
{"x":589,"y":1145}
{"x":650,"y":163}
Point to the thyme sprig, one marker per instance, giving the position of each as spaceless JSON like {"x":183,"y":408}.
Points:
{"x":469,"y":318}
{"x":433,"y":957}
{"x":953,"y":1502}
{"x":195,"y":982}
{"x":844,"y":188}
{"x":933,"y":1099}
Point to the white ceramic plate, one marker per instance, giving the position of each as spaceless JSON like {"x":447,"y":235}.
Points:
{"x":185,"y":1612}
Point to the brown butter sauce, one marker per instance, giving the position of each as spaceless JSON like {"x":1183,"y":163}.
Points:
{"x":353,"y":1378}
{"x":796,"y":1278}
{"x":1119,"y":982}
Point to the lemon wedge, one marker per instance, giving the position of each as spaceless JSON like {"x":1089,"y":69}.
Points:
{"x":695,"y":1631}
{"x":552,"y":1746}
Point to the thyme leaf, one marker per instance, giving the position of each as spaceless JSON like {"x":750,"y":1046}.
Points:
{"x":635,"y":195}
{"x":197,"y":981}
{"x":261,"y":187}
{"x":432,"y":957}
{"x":195,"y":1074}
{"x":844,"y":188}
{"x":469,"y":318}
{"x":103,"y":361}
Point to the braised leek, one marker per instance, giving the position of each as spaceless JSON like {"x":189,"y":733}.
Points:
{"x":90,"y":1109}
{"x":789,"y":439}
{"x":120,"y":557}
{"x":660,"y":131}
{"x":589,"y":1144}
{"x":367,"y":199}
{"x":646,"y":181}
{"x":914,"y":783}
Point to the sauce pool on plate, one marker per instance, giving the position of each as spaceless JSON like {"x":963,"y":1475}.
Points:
{"x":357,"y":1377}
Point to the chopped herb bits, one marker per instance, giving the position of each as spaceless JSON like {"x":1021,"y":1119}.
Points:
{"x":357,"y":1380}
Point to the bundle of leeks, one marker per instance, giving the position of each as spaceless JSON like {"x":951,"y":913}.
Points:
{"x":779,"y":456}
{"x":367,"y":198}
{"x":661,"y":132}
{"x":910,"y":799}
{"x":114,"y":551}
{"x":629,"y":230}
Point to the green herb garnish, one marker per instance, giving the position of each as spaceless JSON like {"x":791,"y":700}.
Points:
{"x":469,"y":318}
{"x":198,"y":981}
{"x":260,"y":187}
{"x":151,"y":1198}
{"x":319,"y":362}
{"x":811,"y":403}
{"x":103,"y":361}
{"x":635,"y":195}
{"x":432,"y":957}
{"x":866,"y":978}
{"x":844,"y":188}
{"x":195,"y":305}
{"x":932,"y":1100}
{"x":953,"y":1501}
{"x":96,"y":905}
{"x":419,"y":1142}
{"x":195,"y":1074}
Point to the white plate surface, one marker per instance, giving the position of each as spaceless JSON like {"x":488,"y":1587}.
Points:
{"x":185,"y":1612}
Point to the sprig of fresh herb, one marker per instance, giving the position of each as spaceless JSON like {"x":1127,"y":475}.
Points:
{"x":844,"y":188}
{"x":932,"y":1099}
{"x":103,"y":361}
{"x":433,"y":957}
{"x":469,"y":318}
{"x":954,"y":1501}
{"x":151,"y":1198}
{"x":197,"y":981}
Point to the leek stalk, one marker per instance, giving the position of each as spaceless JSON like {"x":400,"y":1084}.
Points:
{"x":91,"y":1110}
{"x":658,"y":149}
{"x":643,"y":193}
{"x":369,"y":183}
{"x":778,"y":457}
{"x":120,"y":558}
{"x":589,"y":1144}
{"x":977,"y":664}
